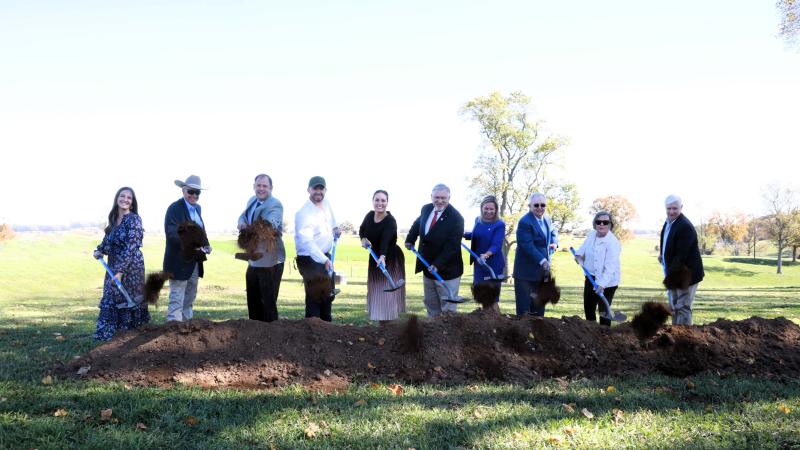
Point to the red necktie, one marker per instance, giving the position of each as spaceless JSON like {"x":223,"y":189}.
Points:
{"x":433,"y":221}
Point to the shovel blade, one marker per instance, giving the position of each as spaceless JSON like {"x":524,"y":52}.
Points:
{"x":400,"y":283}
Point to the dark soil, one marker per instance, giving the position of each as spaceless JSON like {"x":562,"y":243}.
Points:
{"x":461,"y":348}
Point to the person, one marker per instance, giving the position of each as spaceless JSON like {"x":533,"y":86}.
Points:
{"x":315,"y":230}
{"x":536,"y":240}
{"x":185,"y":273}
{"x":599,"y":255}
{"x":122,"y":243}
{"x":439,"y":228}
{"x":263,"y":276}
{"x":680,"y":254}
{"x":486,"y":238}
{"x":379,"y":231}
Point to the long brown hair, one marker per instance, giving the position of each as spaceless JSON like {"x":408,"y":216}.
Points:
{"x":114,"y":214}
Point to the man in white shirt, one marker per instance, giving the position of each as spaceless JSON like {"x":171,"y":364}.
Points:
{"x":315,"y":229}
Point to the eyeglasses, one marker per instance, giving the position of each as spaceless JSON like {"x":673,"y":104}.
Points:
{"x":602,"y":222}
{"x":539,"y":205}
{"x":193,"y":192}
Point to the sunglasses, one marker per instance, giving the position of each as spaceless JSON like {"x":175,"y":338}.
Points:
{"x":193,"y":192}
{"x":539,"y":205}
{"x":602,"y":222}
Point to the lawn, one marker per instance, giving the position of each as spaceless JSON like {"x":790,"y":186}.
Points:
{"x":50,"y":287}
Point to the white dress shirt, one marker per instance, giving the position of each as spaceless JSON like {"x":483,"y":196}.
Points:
{"x":601,"y":258}
{"x":313,"y":231}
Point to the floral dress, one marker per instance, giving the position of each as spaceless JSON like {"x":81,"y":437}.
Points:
{"x":122,"y":247}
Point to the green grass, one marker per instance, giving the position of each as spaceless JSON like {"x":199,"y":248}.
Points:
{"x":50,"y":284}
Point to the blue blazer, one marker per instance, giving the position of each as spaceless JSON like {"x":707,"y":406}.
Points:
{"x":178,"y":213}
{"x":532,"y":247}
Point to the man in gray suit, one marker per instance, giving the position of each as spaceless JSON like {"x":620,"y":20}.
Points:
{"x":263,"y":277}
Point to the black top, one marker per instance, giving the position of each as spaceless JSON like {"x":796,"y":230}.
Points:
{"x":682,"y":248}
{"x":382,"y":235}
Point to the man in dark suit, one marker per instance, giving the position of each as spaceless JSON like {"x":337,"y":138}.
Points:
{"x":680,"y":257}
{"x":536,"y":239}
{"x":185,"y":272}
{"x":439,"y":227}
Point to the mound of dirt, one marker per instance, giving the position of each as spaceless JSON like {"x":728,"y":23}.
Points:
{"x":460,"y":348}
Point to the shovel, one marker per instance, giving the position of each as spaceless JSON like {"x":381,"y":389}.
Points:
{"x":609,"y":314}
{"x":394,"y":286}
{"x":450,"y":297}
{"x":480,"y":261}
{"x":130,"y":303}
{"x":331,"y":272}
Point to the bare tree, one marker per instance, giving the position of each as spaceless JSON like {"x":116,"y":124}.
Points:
{"x":512,"y":165}
{"x":782,"y":219}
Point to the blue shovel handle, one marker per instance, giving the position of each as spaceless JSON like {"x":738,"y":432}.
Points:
{"x":333,"y":255}
{"x":382,"y":268}
{"x":480,"y":260}
{"x":435,"y":274}
{"x":594,"y":285}
{"x":117,"y":282}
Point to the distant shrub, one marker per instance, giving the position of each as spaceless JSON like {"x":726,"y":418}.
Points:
{"x":6,"y":232}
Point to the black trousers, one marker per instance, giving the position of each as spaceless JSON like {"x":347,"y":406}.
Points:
{"x":592,"y":302}
{"x":263,"y":284}
{"x":317,"y":304}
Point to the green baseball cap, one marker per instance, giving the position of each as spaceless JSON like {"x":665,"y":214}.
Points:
{"x":316,"y":181}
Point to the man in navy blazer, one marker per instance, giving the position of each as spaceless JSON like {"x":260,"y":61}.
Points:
{"x":680,"y":254}
{"x":536,"y":239}
{"x":185,"y":273}
{"x":439,"y":228}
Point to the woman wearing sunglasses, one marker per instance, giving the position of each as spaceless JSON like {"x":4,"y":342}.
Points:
{"x":599,"y":254}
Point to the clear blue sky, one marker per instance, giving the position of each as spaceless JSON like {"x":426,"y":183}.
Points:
{"x":695,"y":98}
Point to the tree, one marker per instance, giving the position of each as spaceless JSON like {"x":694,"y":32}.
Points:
{"x":515,"y":156}
{"x":789,"y":28}
{"x":782,"y":220}
{"x":563,"y":202}
{"x":729,"y":229}
{"x":347,"y":227}
{"x":6,"y":232}
{"x":622,"y":211}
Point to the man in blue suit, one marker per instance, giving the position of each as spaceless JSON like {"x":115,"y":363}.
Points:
{"x":536,"y":239}
{"x":185,"y":272}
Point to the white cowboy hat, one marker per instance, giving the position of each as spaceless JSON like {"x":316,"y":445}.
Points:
{"x":193,"y":181}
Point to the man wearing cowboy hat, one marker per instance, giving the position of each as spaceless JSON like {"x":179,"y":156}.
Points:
{"x":184,"y":273}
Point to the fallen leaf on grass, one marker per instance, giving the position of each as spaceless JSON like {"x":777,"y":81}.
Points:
{"x":106,"y":414}
{"x":586,"y":413}
{"x":370,"y":365}
{"x":396,"y":389}
{"x":47,"y":380}
{"x":611,"y":390}
{"x":84,"y":370}
{"x":361,"y":339}
{"x":60,"y":413}
{"x":570,"y":431}
{"x":530,"y":335}
{"x":569,"y":408}
{"x":473,"y":388}
{"x":359,"y":403}
{"x":616,"y":415}
{"x":60,"y":338}
{"x":557,"y":440}
{"x":477,"y":414}
{"x":191,"y":421}
{"x":375,"y":386}
{"x":311,"y":430}
{"x":141,"y":427}
{"x":689,"y":384}
{"x":784,"y":409}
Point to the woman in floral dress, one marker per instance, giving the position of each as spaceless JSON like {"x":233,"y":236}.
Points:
{"x":122,"y":242}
